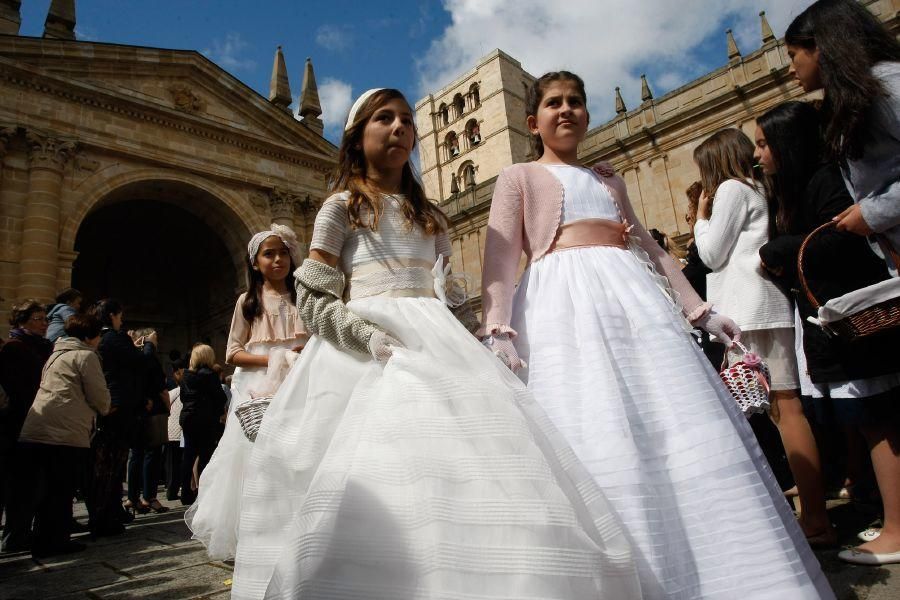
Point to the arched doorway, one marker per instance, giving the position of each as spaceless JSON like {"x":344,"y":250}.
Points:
{"x":173,"y":254}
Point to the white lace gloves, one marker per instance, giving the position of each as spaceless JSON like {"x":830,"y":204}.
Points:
{"x":381,"y":345}
{"x":320,"y":289}
{"x":721,"y":327}
{"x":502,"y":347}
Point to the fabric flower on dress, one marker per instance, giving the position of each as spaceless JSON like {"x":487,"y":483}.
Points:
{"x":449,"y":288}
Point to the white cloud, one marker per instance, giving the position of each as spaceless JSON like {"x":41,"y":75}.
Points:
{"x":230,"y":53}
{"x":335,"y":96}
{"x":609,"y":43}
{"x":333,"y":37}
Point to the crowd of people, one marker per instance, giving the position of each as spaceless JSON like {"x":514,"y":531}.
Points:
{"x":581,"y":444}
{"x":88,"y":406}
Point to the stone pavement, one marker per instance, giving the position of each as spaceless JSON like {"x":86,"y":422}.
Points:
{"x":155,"y":560}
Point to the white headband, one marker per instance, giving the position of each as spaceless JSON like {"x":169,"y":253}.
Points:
{"x":358,"y":104}
{"x":284,"y":233}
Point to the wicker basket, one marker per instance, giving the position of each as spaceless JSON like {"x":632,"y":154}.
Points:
{"x":875,"y":319}
{"x":250,"y":415}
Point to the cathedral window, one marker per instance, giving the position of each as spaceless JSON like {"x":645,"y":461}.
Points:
{"x":459,"y":104}
{"x":444,"y":113}
{"x":467,"y":174}
{"x":452,"y":144}
{"x":475,"y":95}
{"x":473,"y":132}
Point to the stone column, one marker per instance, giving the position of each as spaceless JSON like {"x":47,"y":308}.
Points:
{"x":6,"y":134}
{"x":281,"y":206}
{"x":38,"y":265}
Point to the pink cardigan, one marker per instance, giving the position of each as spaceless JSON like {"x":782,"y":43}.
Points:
{"x":526,"y":211}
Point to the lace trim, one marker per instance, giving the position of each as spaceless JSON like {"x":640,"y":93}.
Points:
{"x":661,"y":281}
{"x":386,"y":282}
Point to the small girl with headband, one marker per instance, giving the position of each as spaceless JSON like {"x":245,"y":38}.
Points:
{"x":266,"y":333}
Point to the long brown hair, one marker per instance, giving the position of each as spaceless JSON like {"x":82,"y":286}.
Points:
{"x":850,"y":41}
{"x":726,"y":154}
{"x":364,"y":206}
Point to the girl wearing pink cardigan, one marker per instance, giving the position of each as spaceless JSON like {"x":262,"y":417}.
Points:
{"x":597,"y":329}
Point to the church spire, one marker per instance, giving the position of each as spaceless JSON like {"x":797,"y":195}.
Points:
{"x":733,"y":52}
{"x":620,"y":104}
{"x":646,"y":94}
{"x":310,"y":108}
{"x":279,"y":87}
{"x":767,"y":34}
{"x":60,"y":22}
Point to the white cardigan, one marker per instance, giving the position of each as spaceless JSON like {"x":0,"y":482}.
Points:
{"x":729,"y":243}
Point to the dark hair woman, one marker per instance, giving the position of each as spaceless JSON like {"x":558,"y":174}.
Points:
{"x":858,"y":382}
{"x":21,"y":359}
{"x":840,"y":47}
{"x":123,"y":369}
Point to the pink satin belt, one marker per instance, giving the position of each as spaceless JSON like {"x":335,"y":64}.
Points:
{"x":590,"y":232}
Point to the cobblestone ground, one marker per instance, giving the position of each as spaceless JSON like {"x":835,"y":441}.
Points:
{"x":155,"y":559}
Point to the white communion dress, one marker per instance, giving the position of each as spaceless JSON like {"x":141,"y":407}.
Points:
{"x":213,"y":517}
{"x":432,"y":476}
{"x":610,"y":362}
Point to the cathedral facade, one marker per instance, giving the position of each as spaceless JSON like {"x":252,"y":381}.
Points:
{"x":141,"y":173}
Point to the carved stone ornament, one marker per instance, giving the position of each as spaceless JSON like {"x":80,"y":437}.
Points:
{"x":186,"y":100}
{"x":83,"y":163}
{"x":49,"y":152}
{"x":281,"y":203}
{"x":6,"y":134}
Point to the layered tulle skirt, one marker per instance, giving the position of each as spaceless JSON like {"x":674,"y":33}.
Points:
{"x":434,"y":475}
{"x":610,"y":362}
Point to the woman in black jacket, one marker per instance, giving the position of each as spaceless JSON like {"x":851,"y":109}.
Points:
{"x":123,"y":368}
{"x":859,"y":381}
{"x":203,"y":408}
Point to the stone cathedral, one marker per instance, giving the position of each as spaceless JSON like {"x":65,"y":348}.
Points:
{"x":141,"y":173}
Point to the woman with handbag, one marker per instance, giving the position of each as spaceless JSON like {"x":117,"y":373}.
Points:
{"x":859,"y":381}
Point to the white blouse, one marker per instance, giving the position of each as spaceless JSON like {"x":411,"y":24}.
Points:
{"x":728,"y":243}
{"x":584,"y":197}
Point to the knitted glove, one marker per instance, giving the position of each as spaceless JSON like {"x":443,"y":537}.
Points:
{"x":721,"y":327}
{"x":319,"y":292}
{"x":502,"y":347}
{"x":381,"y":346}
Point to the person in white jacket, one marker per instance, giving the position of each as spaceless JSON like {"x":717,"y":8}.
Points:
{"x":733,"y":222}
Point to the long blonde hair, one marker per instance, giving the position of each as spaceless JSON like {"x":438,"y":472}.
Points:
{"x":350,"y":175}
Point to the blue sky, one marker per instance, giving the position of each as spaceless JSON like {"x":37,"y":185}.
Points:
{"x":417,"y":46}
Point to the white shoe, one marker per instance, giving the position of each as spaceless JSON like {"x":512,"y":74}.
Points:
{"x":869,"y":534}
{"x":870,"y":559}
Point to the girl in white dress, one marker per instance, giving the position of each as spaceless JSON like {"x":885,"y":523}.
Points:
{"x":266,"y":331}
{"x":605,"y":352}
{"x":399,"y":459}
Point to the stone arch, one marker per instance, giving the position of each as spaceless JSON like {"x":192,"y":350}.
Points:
{"x":102,"y":186}
{"x":475,"y":95}
{"x":459,"y":105}
{"x":466,"y":175}
{"x":201,"y":256}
